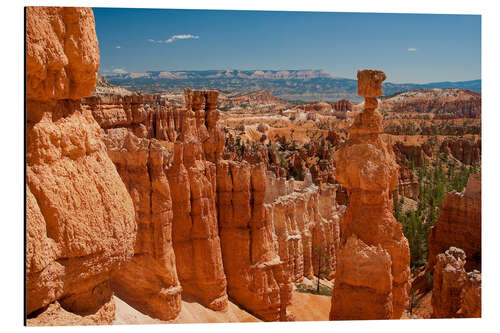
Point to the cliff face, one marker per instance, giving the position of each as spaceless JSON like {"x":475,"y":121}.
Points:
{"x":62,"y":53}
{"x":161,"y":154}
{"x":193,"y":181}
{"x":459,"y":225}
{"x":466,"y":151}
{"x":408,"y":185}
{"x":374,"y":258}
{"x":305,"y":222}
{"x":80,"y":218}
{"x":342,"y":105}
{"x":445,"y":103}
{"x":269,"y":231}
{"x":456,"y":294}
{"x":471,"y":296}
{"x":257,"y":278}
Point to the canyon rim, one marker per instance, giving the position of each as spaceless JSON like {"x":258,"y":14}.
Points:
{"x":187,"y":201}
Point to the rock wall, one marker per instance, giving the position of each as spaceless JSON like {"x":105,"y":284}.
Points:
{"x":128,"y":194}
{"x":456,"y":294}
{"x":464,"y":150}
{"x":269,"y":229}
{"x":161,"y":153}
{"x":419,"y":154}
{"x":257,"y":278}
{"x":373,"y":260}
{"x":471,"y":296}
{"x":459,"y":225}
{"x":192,"y":178}
{"x":305,"y":221}
{"x":408,"y":185}
{"x":342,"y":105}
{"x":80,"y":221}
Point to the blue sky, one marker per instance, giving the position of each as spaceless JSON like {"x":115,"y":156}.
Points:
{"x":408,"y":47}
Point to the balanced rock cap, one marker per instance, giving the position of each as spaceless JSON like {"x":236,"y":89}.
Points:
{"x":370,"y":83}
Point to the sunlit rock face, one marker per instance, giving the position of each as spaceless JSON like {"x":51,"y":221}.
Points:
{"x":455,"y":293}
{"x":369,"y":233}
{"x":459,"y":225}
{"x":80,"y":221}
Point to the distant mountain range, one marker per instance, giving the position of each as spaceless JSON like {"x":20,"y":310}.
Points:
{"x":305,"y":85}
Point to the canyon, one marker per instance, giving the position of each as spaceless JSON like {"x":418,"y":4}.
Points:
{"x":209,"y":206}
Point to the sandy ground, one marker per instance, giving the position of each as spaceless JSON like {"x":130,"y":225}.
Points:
{"x":191,"y":312}
{"x":309,"y":307}
{"x":305,"y":307}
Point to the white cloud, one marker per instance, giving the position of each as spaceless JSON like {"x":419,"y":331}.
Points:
{"x":412,"y":49}
{"x":119,"y":71}
{"x":174,"y":38}
{"x":118,"y":47}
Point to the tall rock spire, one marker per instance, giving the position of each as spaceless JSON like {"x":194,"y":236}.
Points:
{"x":374,"y":258}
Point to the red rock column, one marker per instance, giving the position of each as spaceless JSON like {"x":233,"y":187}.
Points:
{"x":257,"y":279}
{"x":149,"y":281}
{"x":449,"y":281}
{"x":471,"y":303}
{"x":374,"y":258}
{"x":195,"y":227}
{"x":80,"y":220}
{"x":213,"y":145}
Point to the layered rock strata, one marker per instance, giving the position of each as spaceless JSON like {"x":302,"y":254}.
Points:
{"x":464,"y":150}
{"x":373,"y":260}
{"x":459,"y":225}
{"x":80,"y":221}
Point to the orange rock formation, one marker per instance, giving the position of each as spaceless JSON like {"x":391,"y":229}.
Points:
{"x":456,"y":294}
{"x":449,"y":280}
{"x":192,"y":179}
{"x":160,"y":153}
{"x":459,"y":225}
{"x":257,"y":278}
{"x":129,"y":194}
{"x":80,"y":218}
{"x":471,"y":294}
{"x":373,"y":261}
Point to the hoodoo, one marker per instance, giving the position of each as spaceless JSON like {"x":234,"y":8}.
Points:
{"x":80,"y":221}
{"x":373,"y":263}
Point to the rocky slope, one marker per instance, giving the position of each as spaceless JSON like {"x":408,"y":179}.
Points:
{"x":449,"y":103}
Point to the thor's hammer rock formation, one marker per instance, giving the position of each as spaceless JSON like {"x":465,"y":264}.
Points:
{"x":373,"y":263}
